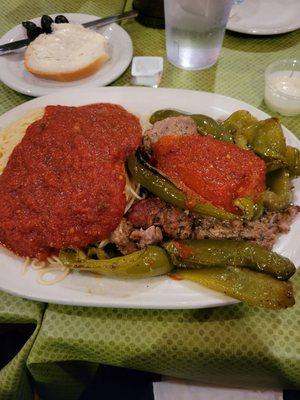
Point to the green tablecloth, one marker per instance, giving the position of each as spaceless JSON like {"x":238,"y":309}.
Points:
{"x":14,"y":314}
{"x":231,"y":346}
{"x":235,"y":345}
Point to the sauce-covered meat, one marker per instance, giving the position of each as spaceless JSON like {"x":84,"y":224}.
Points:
{"x":217,"y":171}
{"x":64,"y":183}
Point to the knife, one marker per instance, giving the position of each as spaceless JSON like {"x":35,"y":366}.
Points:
{"x":8,"y":47}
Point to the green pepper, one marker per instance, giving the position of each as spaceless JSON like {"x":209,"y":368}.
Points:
{"x":209,"y":126}
{"x":151,"y":261}
{"x":279,"y":195}
{"x":222,"y":253}
{"x":252,"y":287}
{"x":237,"y":124}
{"x":95,"y":252}
{"x":246,"y":205}
{"x":265,"y":137}
{"x":205,"y":125}
{"x":273,"y":165}
{"x":240,"y":119}
{"x":240,"y":140}
{"x":159,"y":115}
{"x":293,"y":160}
{"x":268,"y":140}
{"x":71,"y":256}
{"x":250,"y":210}
{"x":168,"y":192}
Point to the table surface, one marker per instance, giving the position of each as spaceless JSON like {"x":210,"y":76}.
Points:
{"x":233,"y":346}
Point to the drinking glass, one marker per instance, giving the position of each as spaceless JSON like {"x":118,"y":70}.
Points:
{"x":195,"y":31}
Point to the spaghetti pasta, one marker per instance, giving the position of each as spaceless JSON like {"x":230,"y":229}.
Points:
{"x":59,"y":273}
{"x":11,"y":135}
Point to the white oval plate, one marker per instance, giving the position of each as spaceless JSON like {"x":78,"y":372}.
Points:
{"x":159,"y":292}
{"x":265,"y":17}
{"x":14,"y":75}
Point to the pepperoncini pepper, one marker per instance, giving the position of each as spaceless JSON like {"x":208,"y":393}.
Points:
{"x":236,"y":124}
{"x":222,"y":253}
{"x":148,"y":262}
{"x":268,"y":140}
{"x":250,"y":210}
{"x":251,"y":287}
{"x":278,"y":196}
{"x":292,"y":156}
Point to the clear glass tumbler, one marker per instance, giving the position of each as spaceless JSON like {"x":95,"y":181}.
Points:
{"x":195,"y":31}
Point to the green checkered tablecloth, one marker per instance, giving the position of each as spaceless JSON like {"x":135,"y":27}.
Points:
{"x":233,"y":346}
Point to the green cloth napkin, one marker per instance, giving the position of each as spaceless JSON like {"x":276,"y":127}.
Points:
{"x":235,"y":345}
{"x":14,"y":382}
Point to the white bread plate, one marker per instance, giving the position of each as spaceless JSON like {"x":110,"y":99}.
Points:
{"x":14,"y":74}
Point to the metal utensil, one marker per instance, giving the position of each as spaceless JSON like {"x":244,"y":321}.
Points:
{"x":9,"y":47}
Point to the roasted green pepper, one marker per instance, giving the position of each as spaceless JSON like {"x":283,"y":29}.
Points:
{"x":237,"y":124}
{"x":293,"y":160}
{"x":268,"y":140}
{"x":70,"y":256}
{"x":279,"y":195}
{"x":159,"y":115}
{"x":151,"y":261}
{"x":273,"y":165}
{"x":265,"y":137}
{"x":222,"y":253}
{"x":243,"y":284}
{"x":250,"y":210}
{"x":205,"y":125}
{"x":96,"y":252}
{"x":168,"y":192}
{"x":240,"y":119}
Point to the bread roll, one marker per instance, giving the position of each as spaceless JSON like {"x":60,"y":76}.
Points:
{"x":69,"y":53}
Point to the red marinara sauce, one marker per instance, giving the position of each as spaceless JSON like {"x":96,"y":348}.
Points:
{"x":216,"y":171}
{"x":64,"y":183}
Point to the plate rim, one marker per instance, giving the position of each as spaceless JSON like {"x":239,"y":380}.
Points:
{"x":261,"y":31}
{"x":89,"y":302}
{"x":16,"y":112}
{"x":38,"y":91}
